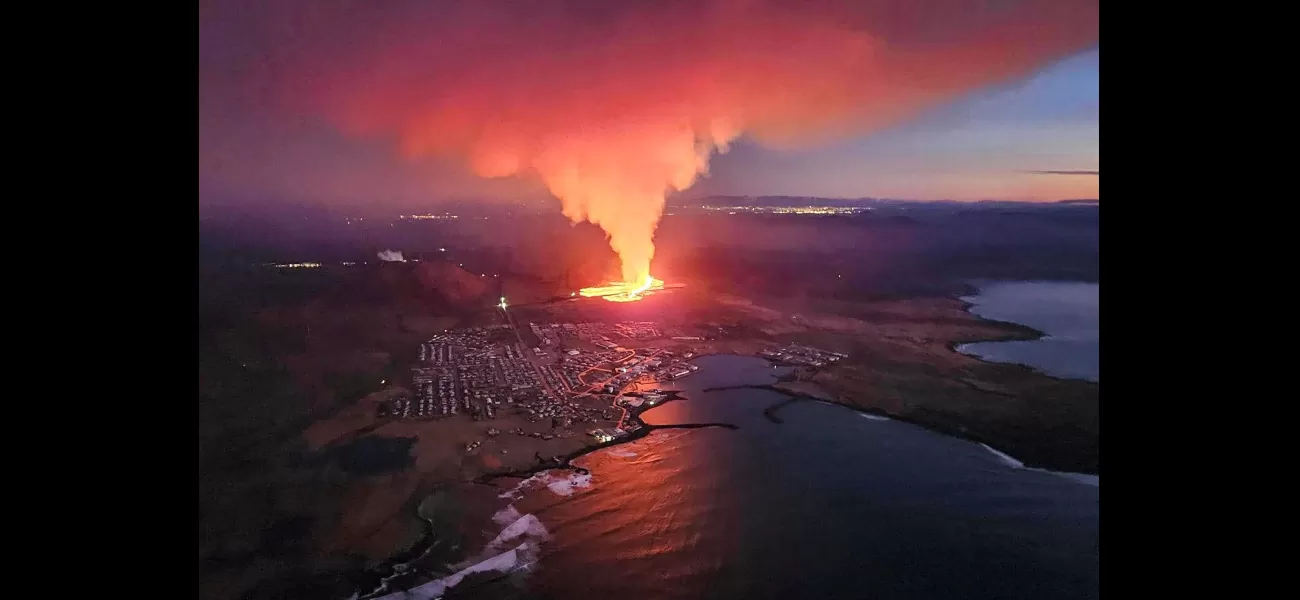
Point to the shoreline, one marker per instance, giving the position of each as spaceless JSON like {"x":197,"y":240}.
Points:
{"x":1016,"y":332}
{"x":399,"y":564}
{"x":953,"y":347}
{"x":1006,"y":331}
{"x":565,"y":462}
{"x":795,"y":396}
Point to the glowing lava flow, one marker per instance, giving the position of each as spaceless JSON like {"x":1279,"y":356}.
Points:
{"x":623,"y":292}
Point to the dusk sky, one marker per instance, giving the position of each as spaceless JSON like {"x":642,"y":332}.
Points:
{"x":984,"y":145}
{"x":399,"y":104}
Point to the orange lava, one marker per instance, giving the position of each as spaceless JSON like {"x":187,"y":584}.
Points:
{"x":623,"y":292}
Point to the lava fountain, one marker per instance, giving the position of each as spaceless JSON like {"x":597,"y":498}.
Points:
{"x":612,"y":105}
{"x":622,"y":291}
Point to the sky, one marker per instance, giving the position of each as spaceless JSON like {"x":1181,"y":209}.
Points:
{"x":407,"y":104}
{"x":984,"y":145}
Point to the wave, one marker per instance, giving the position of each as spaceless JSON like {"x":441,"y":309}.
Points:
{"x":519,"y":557}
{"x":1084,"y":478}
{"x":878,"y":418}
{"x":509,"y":514}
{"x":513,"y":493}
{"x":566,"y":486}
{"x":1006,"y":458}
{"x":525,"y":531}
{"x":1010,"y":461}
{"x":528,"y":527}
{"x":517,"y":492}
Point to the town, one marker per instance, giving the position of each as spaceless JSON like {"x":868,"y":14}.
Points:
{"x":576,"y":374}
{"x":564,"y":375}
{"x":795,"y":354}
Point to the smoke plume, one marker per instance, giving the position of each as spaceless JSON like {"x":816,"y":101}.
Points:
{"x":613,"y":105}
{"x":391,"y":256}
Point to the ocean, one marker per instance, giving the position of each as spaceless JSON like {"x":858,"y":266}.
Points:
{"x":830,"y":503}
{"x":1067,"y":312}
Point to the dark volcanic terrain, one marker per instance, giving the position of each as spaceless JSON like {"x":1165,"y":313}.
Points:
{"x":285,"y":354}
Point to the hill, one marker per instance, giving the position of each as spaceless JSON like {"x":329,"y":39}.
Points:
{"x":412,"y":286}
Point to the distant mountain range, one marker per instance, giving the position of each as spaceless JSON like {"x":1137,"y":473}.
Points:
{"x":784,"y":201}
{"x":243,"y":216}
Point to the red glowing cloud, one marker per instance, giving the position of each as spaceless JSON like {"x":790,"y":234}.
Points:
{"x":614,"y":104}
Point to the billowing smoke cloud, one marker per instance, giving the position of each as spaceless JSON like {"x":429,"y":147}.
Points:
{"x":613,"y":105}
{"x":391,"y":256}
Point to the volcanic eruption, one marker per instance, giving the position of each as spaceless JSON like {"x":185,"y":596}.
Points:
{"x":612,"y":105}
{"x":622,"y":291}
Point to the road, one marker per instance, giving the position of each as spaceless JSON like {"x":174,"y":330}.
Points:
{"x":614,"y":376}
{"x":528,"y":352}
{"x":630,"y":354}
{"x":511,"y":322}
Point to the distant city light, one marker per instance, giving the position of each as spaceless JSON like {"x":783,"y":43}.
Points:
{"x":306,"y":265}
{"x":426,"y":217}
{"x":788,"y":210}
